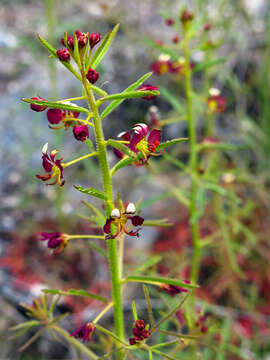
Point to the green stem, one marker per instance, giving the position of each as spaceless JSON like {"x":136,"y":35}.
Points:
{"x":112,"y":243}
{"x":193,"y":165}
{"x":86,"y":237}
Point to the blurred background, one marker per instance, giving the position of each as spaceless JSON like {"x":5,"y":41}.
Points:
{"x":241,"y":31}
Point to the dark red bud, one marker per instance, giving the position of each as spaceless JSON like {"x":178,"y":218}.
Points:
{"x":204,"y":329}
{"x":169,"y":21}
{"x":175,"y":39}
{"x":54,"y":116}
{"x":82,"y":40}
{"x":207,"y":27}
{"x":78,"y":33}
{"x":70,"y":41}
{"x":36,"y":107}
{"x":146,"y":333}
{"x":63,"y":54}
{"x":94,"y":38}
{"x":140,"y":324}
{"x":132,"y":341}
{"x":186,"y":16}
{"x":81,"y":132}
{"x":92,"y":76}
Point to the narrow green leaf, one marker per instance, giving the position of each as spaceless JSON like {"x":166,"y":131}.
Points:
{"x":220,"y":190}
{"x":149,"y":307}
{"x":21,"y":332}
{"x":74,"y":292}
{"x":122,"y":163}
{"x":181,"y":336}
{"x":160,"y":280}
{"x":76,"y":54}
{"x":226,"y":333}
{"x":201,"y":200}
{"x":150,"y":262}
{"x":121,"y":147}
{"x":56,"y":105}
{"x":98,"y":249}
{"x":25,"y":324}
{"x":114,"y":104}
{"x":94,"y":210}
{"x":163,"y":355}
{"x":103,"y":47}
{"x":91,"y":192}
{"x":52,"y":50}
{"x":172,"y":99}
{"x":90,"y":145}
{"x":149,"y":202}
{"x":130,"y":95}
{"x":170,"y":143}
{"x":219,"y":146}
{"x":111,"y":334}
{"x":205,"y":65}
{"x":157,"y":223}
{"x":164,"y":50}
{"x":98,"y":91}
{"x":134,"y":311}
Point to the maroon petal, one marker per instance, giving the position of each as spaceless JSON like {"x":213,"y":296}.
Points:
{"x":134,"y":141}
{"x":118,"y":153}
{"x":141,"y":129}
{"x":47,"y":166}
{"x":44,"y":177}
{"x":136,"y":220}
{"x":107,"y":226}
{"x":154,"y":137}
{"x":134,"y":233}
{"x":125,"y":136}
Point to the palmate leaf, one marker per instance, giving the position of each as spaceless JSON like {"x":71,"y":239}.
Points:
{"x":103,"y":47}
{"x":57,"y":105}
{"x":114,"y":104}
{"x":74,"y":292}
{"x":52,"y":50}
{"x":160,"y":280}
{"x":91,"y":191}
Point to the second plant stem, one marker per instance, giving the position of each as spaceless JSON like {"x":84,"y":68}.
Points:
{"x":112,"y":243}
{"x":193,"y":165}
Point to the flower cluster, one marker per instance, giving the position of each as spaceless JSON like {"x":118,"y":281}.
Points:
{"x":53,"y":167}
{"x":140,"y":332}
{"x":137,"y":141}
{"x":84,"y":332}
{"x":164,"y":65}
{"x":119,"y":218}
{"x":56,"y":241}
{"x":83,"y":38}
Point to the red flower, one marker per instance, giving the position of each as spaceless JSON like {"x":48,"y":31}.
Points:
{"x":51,"y":166}
{"x":162,"y":65}
{"x":81,"y":132}
{"x":216,"y":102}
{"x":84,"y":332}
{"x":147,"y":87}
{"x":63,"y":54}
{"x":119,"y":218}
{"x":36,"y":107}
{"x":56,"y":240}
{"x":94,"y":38}
{"x":92,"y":76}
{"x":55,"y":116}
{"x":139,"y":143}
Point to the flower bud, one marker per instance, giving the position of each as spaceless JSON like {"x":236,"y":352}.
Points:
{"x":147,"y":87}
{"x":169,"y":21}
{"x":207,"y":27}
{"x":36,"y":107}
{"x":94,"y":38}
{"x":82,"y":40}
{"x":54,"y":116}
{"x":70,"y":41}
{"x":175,"y":39}
{"x":81,"y":132}
{"x":63,"y":54}
{"x":186,"y":16}
{"x":92,"y":76}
